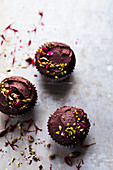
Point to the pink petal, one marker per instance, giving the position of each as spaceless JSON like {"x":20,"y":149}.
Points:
{"x":29,"y":43}
{"x":41,"y":14}
{"x":47,"y":66}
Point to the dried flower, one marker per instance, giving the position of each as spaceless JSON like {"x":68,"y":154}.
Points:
{"x":41,"y":14}
{"x":68,"y":161}
{"x":42,"y":23}
{"x":10,"y":144}
{"x":8,"y":27}
{"x":2,"y":42}
{"x":13,"y":29}
{"x":87,"y":145}
{"x":79,"y":165}
{"x":13,"y":60}
{"x":34,"y":30}
{"x":3,"y":37}
{"x":29,"y":42}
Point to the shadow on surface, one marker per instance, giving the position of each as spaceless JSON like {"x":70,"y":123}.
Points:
{"x":58,"y":88}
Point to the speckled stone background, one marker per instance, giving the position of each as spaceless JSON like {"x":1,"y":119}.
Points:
{"x":87,"y":26}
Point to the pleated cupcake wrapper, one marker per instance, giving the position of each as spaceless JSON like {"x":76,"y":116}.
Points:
{"x":53,"y":79}
{"x":67,"y":146}
{"x":25,"y":111}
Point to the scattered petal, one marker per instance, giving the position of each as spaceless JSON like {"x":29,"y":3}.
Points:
{"x":24,"y":66}
{"x":3,"y":37}
{"x":79,"y":165}
{"x":29,"y":42}
{"x":8,"y":27}
{"x":68,"y":161}
{"x":42,"y":23}
{"x":87,"y":145}
{"x":2,"y":42}
{"x":20,"y":46}
{"x":13,"y":60}
{"x":13,"y":29}
{"x":41,"y":14}
{"x":34,"y":30}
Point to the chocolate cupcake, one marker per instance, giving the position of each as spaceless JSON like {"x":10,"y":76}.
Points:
{"x":17,"y":95}
{"x":55,"y":60}
{"x":68,"y":126}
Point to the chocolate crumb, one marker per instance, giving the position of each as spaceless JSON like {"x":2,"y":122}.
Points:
{"x":48,"y":145}
{"x":40,"y":167}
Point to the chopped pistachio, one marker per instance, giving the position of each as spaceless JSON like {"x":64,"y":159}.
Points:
{"x":13,"y":159}
{"x":58,"y":132}
{"x":22,"y":153}
{"x":19,"y":64}
{"x":19,"y":137}
{"x":30,"y":138}
{"x":60,"y":128}
{"x":24,"y":66}
{"x":18,"y":164}
{"x":28,"y":100}
{"x":13,"y":141}
{"x":67,"y":124}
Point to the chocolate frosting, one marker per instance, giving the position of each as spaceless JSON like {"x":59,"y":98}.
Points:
{"x":17,"y":95}
{"x":55,"y":60}
{"x":68,"y":126}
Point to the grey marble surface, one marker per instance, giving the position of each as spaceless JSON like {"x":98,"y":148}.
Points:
{"x":87,"y":26}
